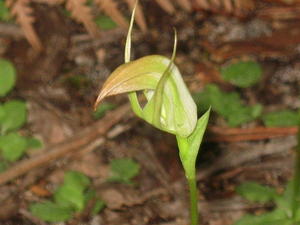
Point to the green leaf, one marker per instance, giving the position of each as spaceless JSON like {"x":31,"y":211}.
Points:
{"x":70,"y":196}
{"x":196,"y":137}
{"x":282,"y":118}
{"x":13,"y":146}
{"x":4,"y":12}
{"x":242,"y":114}
{"x":7,"y":75}
{"x":276,"y":217}
{"x":34,"y":143}
{"x":228,"y":105}
{"x":77,"y":179}
{"x":99,"y":205}
{"x":189,"y":147}
{"x":242,"y":74}
{"x":71,"y":193}
{"x":15,"y":115}
{"x":255,"y":192}
{"x":102,"y":109}
{"x":217,"y":99}
{"x":124,"y":170}
{"x":51,"y":212}
{"x":285,"y":200}
{"x":105,"y":22}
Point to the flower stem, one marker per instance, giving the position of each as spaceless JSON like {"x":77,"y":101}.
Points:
{"x":296,"y":188}
{"x":193,"y":201}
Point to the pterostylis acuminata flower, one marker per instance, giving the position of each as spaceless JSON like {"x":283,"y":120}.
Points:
{"x":170,"y":106}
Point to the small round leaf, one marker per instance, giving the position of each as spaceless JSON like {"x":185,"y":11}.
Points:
{"x":51,"y":212}
{"x":242,"y":74}
{"x":7,"y":77}
{"x":4,"y":12}
{"x":282,"y":118}
{"x":15,"y":115}
{"x":13,"y":146}
{"x":105,"y":22}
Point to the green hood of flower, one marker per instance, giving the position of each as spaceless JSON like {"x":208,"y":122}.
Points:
{"x":170,"y":107}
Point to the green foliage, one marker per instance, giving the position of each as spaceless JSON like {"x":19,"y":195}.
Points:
{"x":242,"y":74}
{"x":72,"y":192}
{"x":282,"y":213}
{"x":123,"y":170}
{"x":69,"y":198}
{"x":189,"y":147}
{"x":51,"y":212}
{"x":282,"y":118}
{"x":4,"y":13}
{"x":276,"y":217}
{"x":255,"y":192}
{"x":89,"y":195}
{"x":77,"y":179}
{"x":99,"y":205}
{"x":102,"y":109}
{"x":33,"y":143}
{"x":228,"y":105}
{"x":105,"y":22}
{"x":15,"y":114}
{"x":13,"y":146}
{"x":7,"y":74}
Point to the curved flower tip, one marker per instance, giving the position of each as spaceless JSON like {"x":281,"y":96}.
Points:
{"x":137,"y":75}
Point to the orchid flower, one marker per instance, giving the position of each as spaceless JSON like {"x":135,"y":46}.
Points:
{"x":170,"y":106}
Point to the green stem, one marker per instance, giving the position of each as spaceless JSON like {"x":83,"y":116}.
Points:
{"x":188,"y":151}
{"x":296,"y":188}
{"x":193,"y":201}
{"x":189,"y":164}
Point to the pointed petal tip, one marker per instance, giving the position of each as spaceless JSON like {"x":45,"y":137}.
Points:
{"x":98,"y":100}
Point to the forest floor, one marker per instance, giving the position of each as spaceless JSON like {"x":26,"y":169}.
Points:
{"x":60,"y":86}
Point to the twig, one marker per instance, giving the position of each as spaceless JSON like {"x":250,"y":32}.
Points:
{"x":232,"y":204}
{"x":279,"y":165}
{"x":249,"y":134}
{"x":72,"y":144}
{"x":89,"y":148}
